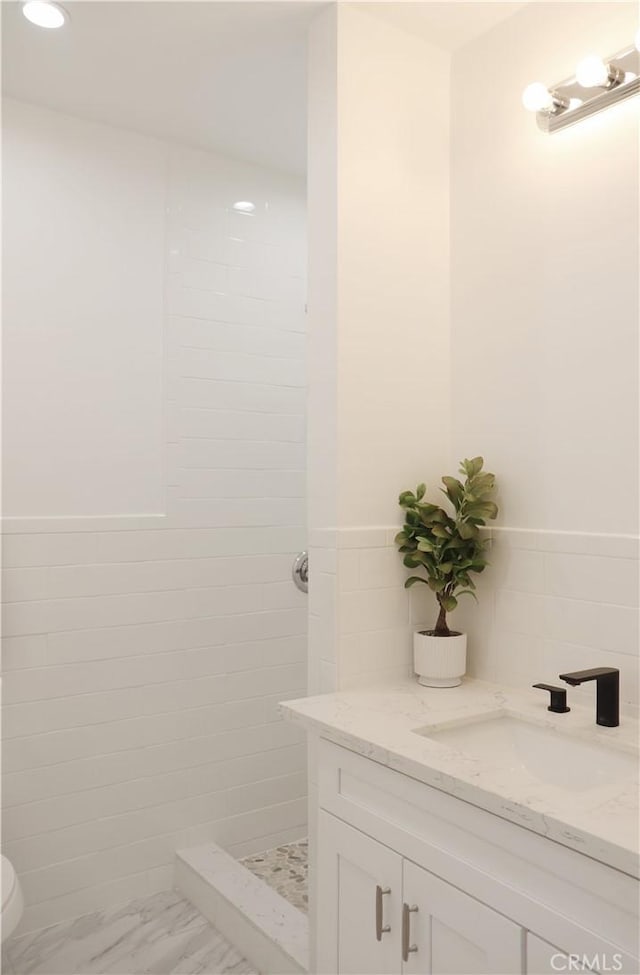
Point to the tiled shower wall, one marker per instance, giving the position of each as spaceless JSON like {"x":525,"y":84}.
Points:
{"x":549,"y":601}
{"x":144,"y":657}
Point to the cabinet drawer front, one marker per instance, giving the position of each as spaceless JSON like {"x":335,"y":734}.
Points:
{"x":540,"y":884}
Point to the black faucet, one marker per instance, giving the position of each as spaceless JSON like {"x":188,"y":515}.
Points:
{"x":607,"y":692}
{"x":558,"y":702}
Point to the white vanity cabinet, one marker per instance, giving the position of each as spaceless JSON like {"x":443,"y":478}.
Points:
{"x":411,"y":880}
{"x":382,"y":914}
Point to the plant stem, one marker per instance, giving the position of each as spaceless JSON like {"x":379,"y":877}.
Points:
{"x":441,"y":625}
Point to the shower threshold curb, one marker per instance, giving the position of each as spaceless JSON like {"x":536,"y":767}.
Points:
{"x":269,"y":931}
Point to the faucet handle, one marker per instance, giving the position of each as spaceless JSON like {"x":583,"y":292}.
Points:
{"x":558,"y":698}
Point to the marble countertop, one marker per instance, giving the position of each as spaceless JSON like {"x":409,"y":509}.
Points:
{"x":380,"y":722}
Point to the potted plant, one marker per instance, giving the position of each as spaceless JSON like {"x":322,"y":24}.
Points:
{"x":447,"y":547}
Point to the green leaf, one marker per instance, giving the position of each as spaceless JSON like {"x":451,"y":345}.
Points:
{"x":483,"y":484}
{"x":412,"y":561}
{"x":472,"y":467}
{"x":454,"y":491}
{"x":445,"y":568}
{"x":449,"y":603}
{"x":429,"y":514}
{"x":467,"y":592}
{"x":478,"y":565}
{"x":425,"y":545}
{"x":421,"y":490}
{"x":455,"y":544}
{"x":482,"y":509}
{"x":436,"y":585}
{"x":441,"y":517}
{"x":411,"y":581}
{"x":406,"y":499}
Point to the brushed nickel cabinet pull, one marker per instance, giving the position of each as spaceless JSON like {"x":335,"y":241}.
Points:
{"x":407,"y":947}
{"x":380,"y":928}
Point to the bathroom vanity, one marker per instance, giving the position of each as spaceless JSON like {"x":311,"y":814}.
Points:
{"x":470,"y":831}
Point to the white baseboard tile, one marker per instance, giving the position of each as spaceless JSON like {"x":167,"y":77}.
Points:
{"x":271,"y":933}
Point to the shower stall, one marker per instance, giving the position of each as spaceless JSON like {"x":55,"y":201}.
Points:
{"x":154,"y":445}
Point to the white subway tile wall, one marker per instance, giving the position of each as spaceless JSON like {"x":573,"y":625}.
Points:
{"x":359,"y":612}
{"x":549,"y":602}
{"x":557,"y":601}
{"x":142,"y":668}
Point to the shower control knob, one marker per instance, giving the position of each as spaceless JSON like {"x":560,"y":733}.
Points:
{"x":300,"y":572}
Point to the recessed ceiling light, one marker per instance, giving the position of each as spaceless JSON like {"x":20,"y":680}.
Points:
{"x":244,"y":206}
{"x":45,"y":13}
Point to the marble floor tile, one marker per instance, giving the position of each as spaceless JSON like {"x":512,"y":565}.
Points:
{"x":158,"y":935}
{"x":285,"y":868}
{"x":7,"y":967}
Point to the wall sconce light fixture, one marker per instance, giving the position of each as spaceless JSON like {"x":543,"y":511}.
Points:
{"x":596,"y":85}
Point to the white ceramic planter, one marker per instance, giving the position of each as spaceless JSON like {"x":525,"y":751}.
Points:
{"x":439,"y":661}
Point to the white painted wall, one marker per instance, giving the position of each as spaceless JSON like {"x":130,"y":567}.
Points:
{"x":393,"y":264}
{"x":378,"y":303}
{"x":322,"y":195}
{"x":545,"y":255}
{"x":144,"y":657}
{"x":83,"y":264}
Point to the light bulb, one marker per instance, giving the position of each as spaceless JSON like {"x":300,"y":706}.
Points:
{"x":536,"y":97}
{"x":244,"y":206}
{"x":592,"y":72}
{"x":44,"y":13}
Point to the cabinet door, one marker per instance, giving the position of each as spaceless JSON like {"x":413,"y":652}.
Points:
{"x":545,"y":959}
{"x":359,"y":896}
{"x":454,"y":934}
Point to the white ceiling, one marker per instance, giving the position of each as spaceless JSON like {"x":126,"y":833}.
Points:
{"x":221,"y":75}
{"x":224,"y":75}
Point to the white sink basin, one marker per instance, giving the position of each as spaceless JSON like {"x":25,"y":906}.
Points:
{"x":546,"y":754}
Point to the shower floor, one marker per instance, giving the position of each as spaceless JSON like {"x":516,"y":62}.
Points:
{"x":285,"y":868}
